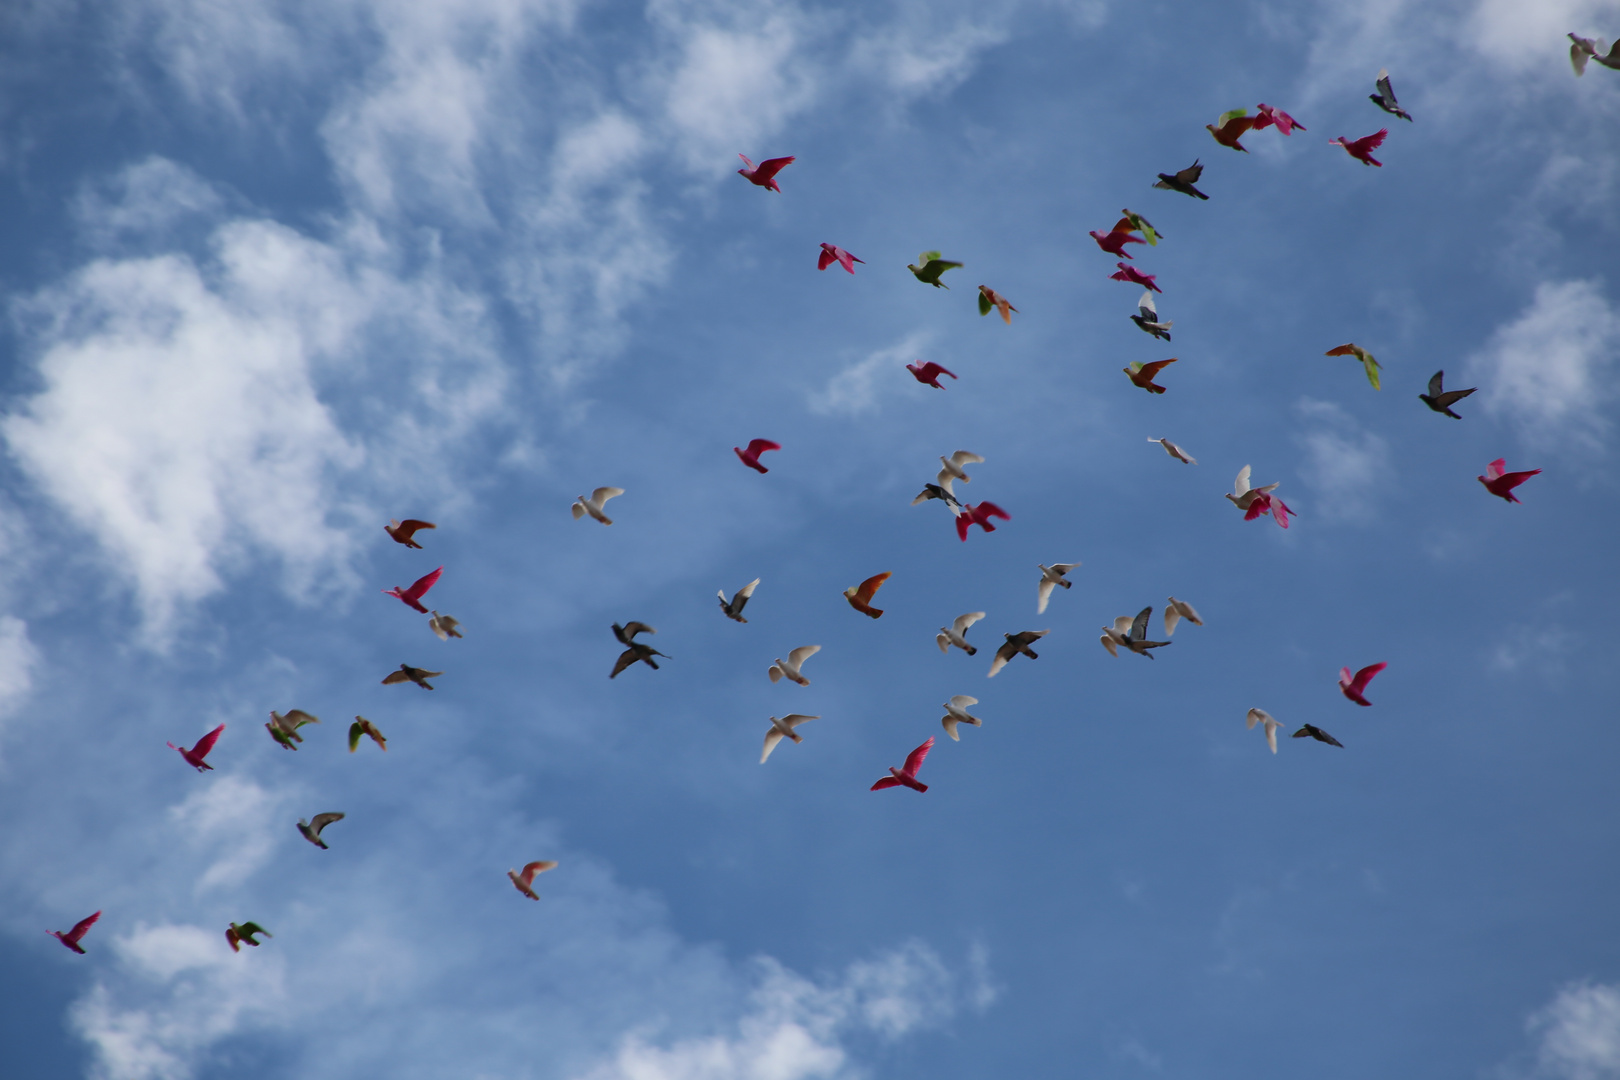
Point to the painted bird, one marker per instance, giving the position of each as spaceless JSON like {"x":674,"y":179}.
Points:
{"x":1368,"y":364}
{"x":1583,"y":49}
{"x":312,"y":828}
{"x":860,"y":596}
{"x":594,"y":505}
{"x":1260,"y":716}
{"x":930,"y":266}
{"x":524,"y":882}
{"x":284,"y":729}
{"x":1231,"y":126}
{"x":832,"y":253}
{"x":412,"y":597}
{"x":237,"y":936}
{"x":1131,"y":633}
{"x":1244,"y":497}
{"x":1051,"y":578}
{"x":444,"y":626}
{"x":1115,"y":239}
{"x":750,"y":456}
{"x":1269,"y":117}
{"x":362,"y":726}
{"x":403,"y":531}
{"x":1129,"y":273}
{"x":1354,"y":686}
{"x":764,"y":174}
{"x":990,"y":299}
{"x":956,"y":713}
{"x":734,"y":607}
{"x":1143,"y":374}
{"x":789,"y":669}
{"x":1016,"y":643}
{"x":979,"y":515}
{"x":1142,"y":225}
{"x":1147,"y":318}
{"x":956,"y":634}
{"x":1269,"y":504}
{"x":783,"y":729}
{"x":1183,"y":181}
{"x":1385,"y":98}
{"x":1175,"y":451}
{"x":1501,"y":483}
{"x":906,"y":775}
{"x":1361,"y":149}
{"x":406,"y":673}
{"x":194,"y":757}
{"x":1311,"y":731}
{"x":72,"y":937}
{"x":1178,"y":610}
{"x":928,"y":373}
{"x":1440,"y":399}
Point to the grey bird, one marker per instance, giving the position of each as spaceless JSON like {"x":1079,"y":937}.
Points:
{"x":1147,"y":318}
{"x":312,"y":828}
{"x":1183,"y":181}
{"x":636,"y":652}
{"x":1016,"y":643}
{"x":1311,"y":731}
{"x":627,"y":633}
{"x":406,"y":673}
{"x":1131,"y":634}
{"x":1440,"y":399}
{"x":733,"y":607}
{"x":1385,"y":98}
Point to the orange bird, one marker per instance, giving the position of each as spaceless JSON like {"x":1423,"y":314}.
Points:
{"x":1232,"y":126}
{"x":1142,"y":374}
{"x":860,"y":596}
{"x":403,"y":531}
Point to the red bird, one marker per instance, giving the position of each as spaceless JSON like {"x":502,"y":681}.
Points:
{"x":928,"y":373}
{"x":1500,"y":483}
{"x":765,"y":174}
{"x":1115,"y":240}
{"x":1354,"y":687}
{"x":1361,"y":149}
{"x":979,"y":515}
{"x":194,"y":756}
{"x":907,"y":775}
{"x":1135,"y":277}
{"x":71,"y":938}
{"x":1269,"y":116}
{"x":412,"y":596}
{"x":832,"y":253}
{"x":750,"y":456}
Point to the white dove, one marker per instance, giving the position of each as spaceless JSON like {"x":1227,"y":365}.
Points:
{"x":444,"y":626}
{"x":789,"y":668}
{"x":956,"y":633}
{"x":1242,"y":494}
{"x":953,"y":465}
{"x":593,"y":505}
{"x":783,"y":729}
{"x":1116,"y":635}
{"x":1052,"y":576}
{"x":1257,"y":716}
{"x":956,"y":713}
{"x":1178,"y":610}
{"x":1175,"y":451}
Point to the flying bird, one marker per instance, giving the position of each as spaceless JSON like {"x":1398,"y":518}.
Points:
{"x":1143,"y":374}
{"x":444,"y":626}
{"x":1175,"y":451}
{"x":750,"y":456}
{"x":989,"y":298}
{"x":1051,"y":578}
{"x":637,"y":652}
{"x":1311,"y":731}
{"x":907,"y":774}
{"x":1368,"y":364}
{"x":860,"y":596}
{"x":412,"y":597}
{"x":1229,"y":127}
{"x":789,"y":668}
{"x":403,"y":531}
{"x":929,"y":373}
{"x":1178,"y":610}
{"x":1353,"y":687}
{"x":929,"y":267}
{"x":1140,"y":224}
{"x":1361,"y":149}
{"x":956,"y":633}
{"x":941,"y":491}
{"x":362,"y":726}
{"x":1385,"y":98}
{"x":953,"y":465}
{"x":406,"y":673}
{"x":1259,"y":716}
{"x":194,"y":757}
{"x":1500,"y":483}
{"x":284,"y":729}
{"x":979,"y":515}
{"x":734,"y":607}
{"x":1147,"y":318}
{"x":1016,"y":643}
{"x":1183,"y":181}
{"x":237,"y":936}
{"x":832,"y":253}
{"x":1115,"y":239}
{"x":1440,"y":399}
{"x":1583,"y":49}
{"x":1129,"y":273}
{"x":783,"y":729}
{"x":626,"y":634}
{"x":1131,"y":633}
{"x":72,"y":937}
{"x":594,"y":505}
{"x":1257,"y":501}
{"x":312,"y":828}
{"x":524,"y":882}
{"x":764,"y":175}
{"x":1269,"y":116}
{"x":956,"y":713}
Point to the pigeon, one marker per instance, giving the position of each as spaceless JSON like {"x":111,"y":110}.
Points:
{"x":990,"y":299}
{"x":594,"y":505}
{"x":1129,"y":273}
{"x":929,"y":267}
{"x":783,"y":729}
{"x":1368,"y":364}
{"x":907,"y":774}
{"x":860,"y":596}
{"x":627,"y":633}
{"x":1016,"y":643}
{"x":956,"y":634}
{"x":312,"y":828}
{"x":1385,"y":98}
{"x":444,"y":626}
{"x":1269,"y":116}
{"x":72,"y":937}
{"x":1500,"y":483}
{"x":237,"y":936}
{"x":764,"y":175}
{"x":1311,"y":731}
{"x":1258,"y":716}
{"x":1440,"y":399}
{"x":1115,"y":239}
{"x":362,"y":726}
{"x":1051,"y":577}
{"x":1269,"y":504}
{"x":956,"y":713}
{"x":1354,"y":687}
{"x":1229,"y":127}
{"x":1147,"y":318}
{"x":1583,"y":49}
{"x":1257,"y":501}
{"x":524,"y":882}
{"x":406,"y":673}
{"x":194,"y":757}
{"x":979,"y":515}
{"x":941,"y":491}
{"x":412,"y":597}
{"x":403,"y":531}
{"x":929,"y":373}
{"x":750,"y":456}
{"x":1131,"y":634}
{"x":1143,"y":374}
{"x":1140,"y":224}
{"x":1175,"y":451}
{"x":284,"y":729}
{"x":953,"y":465}
{"x":1178,"y":610}
{"x":789,"y":668}
{"x":636,"y":652}
{"x":733,"y":607}
{"x":1361,"y":149}
{"x":832,"y":253}
{"x":1183,"y":181}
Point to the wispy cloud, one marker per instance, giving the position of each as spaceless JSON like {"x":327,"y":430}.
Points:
{"x":855,"y":389}
{"x":1344,"y":462}
{"x":1580,"y":1033}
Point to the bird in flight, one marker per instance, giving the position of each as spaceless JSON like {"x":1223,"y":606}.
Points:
{"x":412,"y":597}
{"x":990,"y":299}
{"x":979,"y":514}
{"x":1368,"y":364}
{"x":1129,"y":273}
{"x":1051,"y":578}
{"x":524,"y":882}
{"x":1257,"y":501}
{"x":1140,"y":224}
{"x":1143,"y":374}
{"x":72,"y":937}
{"x":284,"y":729}
{"x":929,"y":373}
{"x":444,"y":626}
{"x":406,"y":673}
{"x":789,"y":669}
{"x":1115,"y":239}
{"x":594,"y":505}
{"x":930,"y":265}
{"x":1311,"y":731}
{"x":237,"y":936}
{"x":1175,"y":451}
{"x":194,"y":757}
{"x":1269,"y":117}
{"x":1016,"y":643}
{"x":1231,"y":126}
{"x":1583,"y":49}
{"x":734,"y":607}
{"x":635,"y":651}
{"x":1131,"y":634}
{"x":941,"y":491}
{"x":1361,"y":149}
{"x":783,"y":729}
{"x":832,"y":253}
{"x":953,"y":465}
{"x":362,"y":726}
{"x":1147,"y":318}
{"x":1385,"y":98}
{"x":750,"y":456}
{"x":403,"y":531}
{"x":906,"y":775}
{"x":1353,"y":687}
{"x":1178,"y":610}
{"x":312,"y":829}
{"x":764,"y":175}
{"x":956,"y":713}
{"x":1183,"y":181}
{"x":1440,"y":399}
{"x":1501,"y":483}
{"x":956,"y":633}
{"x":860,"y":596}
{"x":1260,"y":716}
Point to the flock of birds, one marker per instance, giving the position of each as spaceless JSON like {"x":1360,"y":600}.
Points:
{"x":1128,"y":632}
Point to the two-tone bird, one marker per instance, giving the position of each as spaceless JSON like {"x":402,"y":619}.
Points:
{"x":734,"y":607}
{"x":1147,"y":318}
{"x":990,"y":300}
{"x":1385,"y":98}
{"x":284,"y":727}
{"x":1131,"y":633}
{"x":1368,"y":363}
{"x":364,"y":727}
{"x":1016,"y":644}
{"x":1499,"y":482}
{"x":956,"y":633}
{"x":238,"y":935}
{"x":906,"y":775}
{"x":524,"y":881}
{"x":311,"y":829}
{"x":860,"y":596}
{"x":1354,"y":686}
{"x":1143,"y":375}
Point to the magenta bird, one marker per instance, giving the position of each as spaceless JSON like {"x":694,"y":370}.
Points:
{"x":750,"y":456}
{"x":412,"y":597}
{"x":1361,"y":149}
{"x":1353,"y":687}
{"x":1269,"y":504}
{"x":194,"y":756}
{"x":71,"y":938}
{"x":1501,"y":483}
{"x":1115,"y":240}
{"x":1135,"y":277}
{"x":979,"y":515}
{"x":764,"y":175}
{"x":929,"y":373}
{"x":907,"y":775}
{"x":832,"y":253}
{"x":1269,"y":116}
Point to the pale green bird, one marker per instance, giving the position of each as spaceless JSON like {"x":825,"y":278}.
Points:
{"x":1368,"y":364}
{"x":1143,"y":226}
{"x":931,"y":266}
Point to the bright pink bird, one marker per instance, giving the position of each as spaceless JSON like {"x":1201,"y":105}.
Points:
{"x":907,"y":775}
{"x":413,"y":595}
{"x":1269,"y":116}
{"x":750,"y":456}
{"x":765,"y":174}
{"x":979,"y":515}
{"x":194,"y":756}
{"x":1501,"y":483}
{"x":71,"y":938}
{"x":929,"y":373}
{"x":1114,"y":242}
{"x":1135,"y":277}
{"x":1354,"y":687}
{"x":1269,"y":504}
{"x":1361,"y":149}
{"x":832,"y":253}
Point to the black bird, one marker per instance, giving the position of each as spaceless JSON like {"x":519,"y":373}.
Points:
{"x":627,"y":633}
{"x":733,"y":607}
{"x":1440,"y":399}
{"x":406,"y":673}
{"x":637,"y":651}
{"x":1183,"y":181}
{"x":1385,"y":98}
{"x":1016,"y":643}
{"x":940,"y":492}
{"x":1311,"y":731}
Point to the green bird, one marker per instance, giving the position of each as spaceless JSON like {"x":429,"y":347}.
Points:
{"x":284,"y":729}
{"x":931,"y":266}
{"x":237,"y":935}
{"x":1368,"y":364}
{"x":362,"y":726}
{"x":1143,"y":226}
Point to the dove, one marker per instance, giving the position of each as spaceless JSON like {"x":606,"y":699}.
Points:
{"x":789,"y":668}
{"x":1583,"y":49}
{"x":1140,"y":224}
{"x":1361,"y":149}
{"x":362,"y":726}
{"x":1269,"y":117}
{"x":1131,"y":634}
{"x":524,"y":882}
{"x":1183,"y":181}
{"x":72,"y":938}
{"x":929,"y":373}
{"x":1229,"y":127}
{"x":1016,"y":643}
{"x":832,"y":253}
{"x":1385,"y":98}
{"x":237,"y":936}
{"x":750,"y":456}
{"x":406,"y":673}
{"x":1147,"y":318}
{"x":1115,"y":239}
{"x":956,"y":634}
{"x":979,"y":515}
{"x":594,"y":505}
{"x":929,"y":267}
{"x":1178,"y":610}
{"x":907,"y":774}
{"x":764,"y":174}
{"x":1143,"y":374}
{"x":1129,"y":273}
{"x":626,"y":634}
{"x":412,"y":597}
{"x":194,"y":757}
{"x":1353,"y":687}
{"x":953,"y":465}
{"x":1051,"y":577}
{"x":1440,"y":399}
{"x":733,"y":607}
{"x":783,"y":729}
{"x":1175,"y":451}
{"x":1368,"y":364}
{"x":636,"y":652}
{"x":284,"y":729}
{"x":403,"y":531}
{"x":1501,"y":483}
{"x":312,"y":828}
{"x":1245,"y":497}
{"x":444,"y":626}
{"x":956,"y":713}
{"x":860,"y":596}
{"x":1311,"y":731}
{"x":1257,"y":716}
{"x":990,"y":299}
{"x":941,"y":491}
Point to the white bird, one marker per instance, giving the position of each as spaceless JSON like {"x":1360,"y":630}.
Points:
{"x":1131,"y":633}
{"x":1052,"y":576}
{"x":789,"y":668}
{"x":733,"y":607}
{"x":1116,"y":635}
{"x":1178,"y":610}
{"x":956,"y":713}
{"x":1175,"y":451}
{"x":444,"y":626}
{"x":953,"y":466}
{"x":1257,"y":716}
{"x":593,"y":505}
{"x":1242,"y":494}
{"x":956,"y":633}
{"x":783,"y":729}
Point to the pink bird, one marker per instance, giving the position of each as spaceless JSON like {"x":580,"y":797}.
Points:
{"x":412,"y":596}
{"x":1114,"y":241}
{"x":750,"y":456}
{"x":1269,"y":116}
{"x":194,"y":756}
{"x":929,"y":373}
{"x":1354,"y":687}
{"x":1361,"y":149}
{"x":1135,"y":277}
{"x":765,"y":174}
{"x":71,"y":938}
{"x":1269,"y":504}
{"x":907,"y":776}
{"x":832,"y":253}
{"x":1501,"y":483}
{"x":979,"y":515}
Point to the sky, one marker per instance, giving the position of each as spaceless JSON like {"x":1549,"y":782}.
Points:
{"x":278,"y":271}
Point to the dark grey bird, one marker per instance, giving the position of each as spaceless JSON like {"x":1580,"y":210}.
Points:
{"x":1183,"y":181}
{"x":406,"y":673}
{"x":312,"y":828}
{"x":636,"y":651}
{"x":1131,"y":634}
{"x":1147,"y":318}
{"x":733,"y":607}
{"x":941,"y":491}
{"x":1385,"y":98}
{"x":1440,"y":399}
{"x":627,"y":633}
{"x":1016,"y":643}
{"x":1311,"y":731}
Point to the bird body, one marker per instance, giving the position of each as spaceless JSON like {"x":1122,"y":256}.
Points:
{"x":1260,"y":716}
{"x":595,"y":504}
{"x":734,"y":607}
{"x":412,"y":597}
{"x":1129,"y":273}
{"x":783,"y":729}
{"x":764,"y":174}
{"x":1131,"y":633}
{"x":237,"y":936}
{"x":1440,"y":399}
{"x":956,"y":633}
{"x":1368,"y":363}
{"x":194,"y":757}
{"x":906,"y":775}
{"x":1255,"y":501}
{"x":953,"y":465}
{"x":789,"y":668}
{"x":1361,"y":149}
{"x":1175,"y":451}
{"x":860,"y":596}
{"x":524,"y":882}
{"x":362,"y":726}
{"x":72,"y":937}
{"x":1184,"y":181}
{"x":929,"y":373}
{"x":1143,"y":374}
{"x":980,"y":515}
{"x":284,"y":729}
{"x":990,"y":300}
{"x":1178,"y":610}
{"x":750,"y":456}
{"x":444,"y":626}
{"x":1355,"y":686}
{"x":1385,"y":98}
{"x":929,"y":267}
{"x":1140,"y":224}
{"x":637,"y":652}
{"x":832,"y":253}
{"x":956,"y":713}
{"x":312,"y":829}
{"x":1501,"y":483}
{"x":1115,"y":239}
{"x":1582,"y":49}
{"x":626,"y":634}
{"x":1273,"y":117}
{"x":1311,"y":731}
{"x":406,"y":673}
{"x":1229,"y":127}
{"x":1051,"y":578}
{"x":403,"y":531}
{"x":1147,"y":318}
{"x":941,"y":491}
{"x":1016,"y":643}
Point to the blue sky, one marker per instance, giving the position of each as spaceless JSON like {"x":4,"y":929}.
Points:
{"x":278,"y":272}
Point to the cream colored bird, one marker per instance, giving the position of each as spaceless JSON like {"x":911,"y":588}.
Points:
{"x":789,"y":668}
{"x":1178,"y":610}
{"x":1243,"y":495}
{"x":782,"y":728}
{"x":1051,"y":577}
{"x":956,"y":633}
{"x":444,"y":626}
{"x":1257,"y":716}
{"x":956,"y":713}
{"x":953,"y":465}
{"x":1176,"y":452}
{"x":524,"y":882}
{"x":595,"y":504}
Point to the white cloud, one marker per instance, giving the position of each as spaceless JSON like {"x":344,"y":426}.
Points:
{"x":18,"y":659}
{"x":915,"y":58}
{"x":854,"y":390}
{"x":146,"y":199}
{"x":1580,"y":1033}
{"x":1345,"y":463}
{"x":237,"y":821}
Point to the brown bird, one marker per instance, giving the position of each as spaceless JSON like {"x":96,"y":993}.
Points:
{"x":403,"y":531}
{"x":1231,"y":126}
{"x":860,"y":596}
{"x":1143,"y":374}
{"x":1016,"y":643}
{"x":417,"y":675}
{"x":362,"y":726}
{"x":237,"y":936}
{"x":1311,"y":731}
{"x":989,"y":298}
{"x":627,"y":633}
